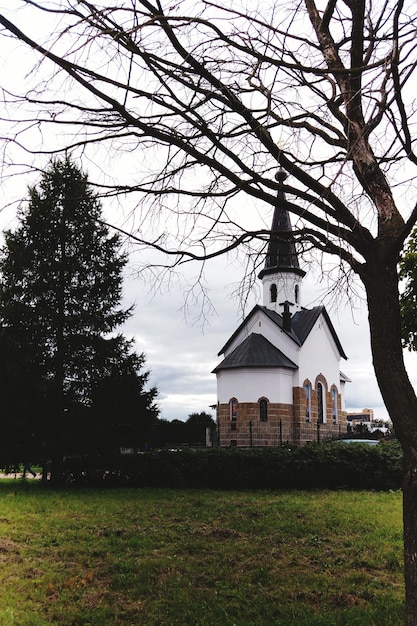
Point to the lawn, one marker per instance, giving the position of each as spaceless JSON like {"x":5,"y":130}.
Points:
{"x":143,"y":556}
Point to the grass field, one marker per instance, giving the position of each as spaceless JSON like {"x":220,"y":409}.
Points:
{"x":133,"y":556}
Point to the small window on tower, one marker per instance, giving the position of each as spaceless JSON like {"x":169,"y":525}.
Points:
{"x":296,"y":293}
{"x":273,"y":293}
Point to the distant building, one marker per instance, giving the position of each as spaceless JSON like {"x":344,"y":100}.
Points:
{"x":365,"y":420}
{"x":280,"y":378}
{"x":366,"y":416}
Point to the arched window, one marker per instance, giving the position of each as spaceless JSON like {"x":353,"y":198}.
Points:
{"x":233,"y":404}
{"x":307,"y":389}
{"x":321,"y":403}
{"x":296,"y":293}
{"x":334,"y":408}
{"x":273,"y":292}
{"x":263,"y":410}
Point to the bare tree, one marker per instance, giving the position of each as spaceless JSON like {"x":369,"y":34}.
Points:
{"x":211,"y":97}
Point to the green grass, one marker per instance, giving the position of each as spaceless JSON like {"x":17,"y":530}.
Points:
{"x":153,"y":557}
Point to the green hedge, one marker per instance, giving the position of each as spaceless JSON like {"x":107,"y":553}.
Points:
{"x":328,"y":465}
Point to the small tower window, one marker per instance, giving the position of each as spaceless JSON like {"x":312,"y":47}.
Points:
{"x":296,"y":293}
{"x":273,"y":291}
{"x":263,"y":410}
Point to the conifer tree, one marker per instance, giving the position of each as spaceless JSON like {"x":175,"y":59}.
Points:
{"x":60,"y":304}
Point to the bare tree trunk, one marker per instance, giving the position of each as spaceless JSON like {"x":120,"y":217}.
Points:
{"x":410,"y":542}
{"x":381,"y":284}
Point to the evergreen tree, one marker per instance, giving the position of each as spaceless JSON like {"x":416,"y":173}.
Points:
{"x":60,"y":293}
{"x":123,"y":408}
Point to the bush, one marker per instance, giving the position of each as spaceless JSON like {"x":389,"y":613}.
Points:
{"x":327,"y":465}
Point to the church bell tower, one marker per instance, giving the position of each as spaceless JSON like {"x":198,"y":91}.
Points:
{"x":281,"y":277}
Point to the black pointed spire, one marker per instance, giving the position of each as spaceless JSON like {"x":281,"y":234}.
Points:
{"x":281,"y":255}
{"x":281,"y":250}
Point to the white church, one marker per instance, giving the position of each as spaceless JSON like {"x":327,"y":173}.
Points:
{"x":280,"y":378}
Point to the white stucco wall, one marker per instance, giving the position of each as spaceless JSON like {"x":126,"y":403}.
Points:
{"x":320,"y":356}
{"x":342,"y":393}
{"x":250,"y":385}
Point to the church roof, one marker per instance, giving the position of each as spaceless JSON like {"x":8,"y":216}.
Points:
{"x":255,"y":351}
{"x":302,"y":322}
{"x":281,"y":255}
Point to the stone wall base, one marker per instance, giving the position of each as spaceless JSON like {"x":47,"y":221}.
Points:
{"x":285,"y":423}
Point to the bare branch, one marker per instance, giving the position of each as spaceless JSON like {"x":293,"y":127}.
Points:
{"x":216,"y":100}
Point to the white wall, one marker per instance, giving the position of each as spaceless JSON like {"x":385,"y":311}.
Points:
{"x":320,"y":356}
{"x":250,"y":385}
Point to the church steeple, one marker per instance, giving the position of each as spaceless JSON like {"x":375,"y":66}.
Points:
{"x":281,"y":250}
{"x":281,"y":276}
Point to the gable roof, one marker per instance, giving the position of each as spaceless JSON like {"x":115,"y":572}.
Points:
{"x":302,"y":323}
{"x":255,"y":351}
{"x":304,"y":320}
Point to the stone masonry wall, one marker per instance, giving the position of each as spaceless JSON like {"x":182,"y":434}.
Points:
{"x":285,"y":423}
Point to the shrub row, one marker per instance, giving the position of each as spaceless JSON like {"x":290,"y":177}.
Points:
{"x":314,"y":466}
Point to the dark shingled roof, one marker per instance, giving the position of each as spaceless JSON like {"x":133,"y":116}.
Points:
{"x":302,"y":323}
{"x":255,"y":351}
